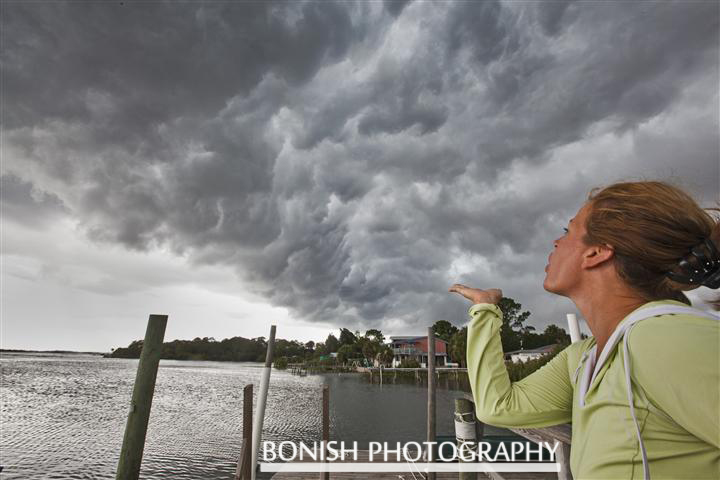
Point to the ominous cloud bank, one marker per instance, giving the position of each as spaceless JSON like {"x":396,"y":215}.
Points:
{"x":352,"y":160}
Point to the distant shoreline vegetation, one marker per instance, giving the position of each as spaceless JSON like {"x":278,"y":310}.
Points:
{"x":356,"y":348}
{"x":235,"y":349}
{"x":15,"y":350}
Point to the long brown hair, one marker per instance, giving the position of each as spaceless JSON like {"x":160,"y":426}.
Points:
{"x":651,"y":227}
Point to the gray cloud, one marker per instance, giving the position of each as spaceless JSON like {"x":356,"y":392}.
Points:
{"x":353,"y":160}
{"x":26,"y":205}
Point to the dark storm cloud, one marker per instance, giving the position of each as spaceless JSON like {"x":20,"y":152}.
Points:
{"x":157,"y":58}
{"x":394,"y":7}
{"x":351,"y":160}
{"x":24,"y":204}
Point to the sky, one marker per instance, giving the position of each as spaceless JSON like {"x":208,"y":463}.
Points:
{"x":318,"y":165}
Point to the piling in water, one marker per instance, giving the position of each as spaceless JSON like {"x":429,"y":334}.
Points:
{"x":244,"y":464}
{"x":431,"y":437}
{"x":137,"y":423}
{"x":325,"y":426}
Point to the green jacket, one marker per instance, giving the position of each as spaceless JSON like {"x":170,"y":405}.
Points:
{"x":672,"y":430}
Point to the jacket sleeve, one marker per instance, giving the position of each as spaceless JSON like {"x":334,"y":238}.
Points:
{"x":675,"y":359}
{"x":541,"y":399}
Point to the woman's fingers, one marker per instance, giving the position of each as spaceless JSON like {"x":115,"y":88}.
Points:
{"x":476,"y":295}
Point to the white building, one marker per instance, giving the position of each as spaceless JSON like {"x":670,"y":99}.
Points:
{"x":531,"y":354}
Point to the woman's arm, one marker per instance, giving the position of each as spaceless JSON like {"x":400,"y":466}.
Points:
{"x":541,"y":399}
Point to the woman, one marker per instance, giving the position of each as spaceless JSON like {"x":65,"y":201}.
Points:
{"x":642,"y":391}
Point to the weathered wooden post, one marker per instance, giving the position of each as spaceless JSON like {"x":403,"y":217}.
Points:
{"x":137,"y":422}
{"x":431,"y":436}
{"x":381,"y":379}
{"x":325,"y":427}
{"x":244,"y":464}
{"x":262,"y":400}
{"x":562,"y":456}
{"x":467,"y":432}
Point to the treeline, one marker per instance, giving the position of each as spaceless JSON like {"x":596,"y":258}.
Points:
{"x":352,"y":347}
{"x":235,"y":349}
{"x":515,"y":333}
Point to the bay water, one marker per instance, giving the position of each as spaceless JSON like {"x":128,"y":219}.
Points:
{"x":64,"y":415}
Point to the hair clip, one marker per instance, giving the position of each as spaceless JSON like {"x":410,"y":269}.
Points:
{"x":700,"y":267}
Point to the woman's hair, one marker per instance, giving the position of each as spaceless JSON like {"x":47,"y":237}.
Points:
{"x":652,"y":227}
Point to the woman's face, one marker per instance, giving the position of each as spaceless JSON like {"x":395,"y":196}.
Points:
{"x":564,"y":268}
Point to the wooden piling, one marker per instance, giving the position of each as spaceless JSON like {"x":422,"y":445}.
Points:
{"x":137,"y":422}
{"x":562,"y":456}
{"x":262,"y":399}
{"x":431,"y":436}
{"x":325,"y":427}
{"x":244,"y":463}
{"x":467,"y":432}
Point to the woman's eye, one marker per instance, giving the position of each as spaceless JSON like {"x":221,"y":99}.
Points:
{"x":565,"y":230}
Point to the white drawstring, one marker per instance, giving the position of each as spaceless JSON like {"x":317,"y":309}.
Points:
{"x":580,"y":364}
{"x":646,"y":467}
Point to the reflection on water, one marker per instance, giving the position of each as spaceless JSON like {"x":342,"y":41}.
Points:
{"x":63,"y":416}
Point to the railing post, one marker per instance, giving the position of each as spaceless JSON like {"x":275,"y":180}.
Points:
{"x":244,"y":464}
{"x":137,"y":422}
{"x":262,"y":399}
{"x":562,"y":457}
{"x":431,"y":436}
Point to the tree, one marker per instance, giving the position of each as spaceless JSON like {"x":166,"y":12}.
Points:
{"x":458,"y":347}
{"x":513,"y":324}
{"x":281,"y":363}
{"x":347,"y":337}
{"x":444,"y":330}
{"x":512,"y":315}
{"x":344,"y":353}
{"x":386,"y":355}
{"x":375,"y":334}
{"x":320,"y":349}
{"x":331,"y":344}
{"x":370,"y":349}
{"x":555,"y":334}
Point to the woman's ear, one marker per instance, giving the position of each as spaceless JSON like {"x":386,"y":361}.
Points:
{"x":596,"y":255}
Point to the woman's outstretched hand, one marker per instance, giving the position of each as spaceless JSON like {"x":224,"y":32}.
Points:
{"x":475,"y":295}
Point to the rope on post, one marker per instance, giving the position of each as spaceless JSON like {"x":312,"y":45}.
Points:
{"x":464,"y":428}
{"x":466,"y":433}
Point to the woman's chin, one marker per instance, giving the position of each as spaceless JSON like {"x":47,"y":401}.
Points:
{"x":547,"y":285}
